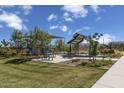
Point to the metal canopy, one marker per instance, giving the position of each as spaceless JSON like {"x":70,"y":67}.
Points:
{"x":77,"y":38}
{"x":55,"y":37}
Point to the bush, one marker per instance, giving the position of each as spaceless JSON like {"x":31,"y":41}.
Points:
{"x":117,"y":55}
{"x":98,"y":63}
{"x":111,"y":51}
{"x":84,"y":63}
{"x":22,"y":52}
{"x":4,"y":52}
{"x":7,"y":52}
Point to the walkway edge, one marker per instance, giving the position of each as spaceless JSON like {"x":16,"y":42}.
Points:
{"x":113,"y":78}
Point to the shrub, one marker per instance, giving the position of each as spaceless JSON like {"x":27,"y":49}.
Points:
{"x":22,"y":52}
{"x":7,"y":52}
{"x":12,"y":52}
{"x":111,"y":51}
{"x":117,"y":55}
{"x":84,"y":63}
{"x":98,"y":63}
{"x":3,"y":52}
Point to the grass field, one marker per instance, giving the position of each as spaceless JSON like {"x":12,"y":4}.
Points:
{"x":20,"y":73}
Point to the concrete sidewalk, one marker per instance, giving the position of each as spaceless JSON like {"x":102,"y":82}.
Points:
{"x":113,"y":78}
{"x":60,"y":58}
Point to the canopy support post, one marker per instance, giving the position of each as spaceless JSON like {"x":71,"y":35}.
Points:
{"x":70,"y":49}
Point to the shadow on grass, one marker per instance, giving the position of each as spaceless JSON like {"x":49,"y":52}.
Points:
{"x":17,"y":61}
{"x":1,"y":58}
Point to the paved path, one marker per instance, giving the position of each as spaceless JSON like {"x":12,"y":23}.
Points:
{"x":59,"y":59}
{"x":114,"y":77}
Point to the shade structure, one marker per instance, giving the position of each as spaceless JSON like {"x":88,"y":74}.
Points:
{"x":77,"y":38}
{"x":55,"y":37}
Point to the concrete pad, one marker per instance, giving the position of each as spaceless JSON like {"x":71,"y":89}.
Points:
{"x":60,"y":58}
{"x":57,"y":59}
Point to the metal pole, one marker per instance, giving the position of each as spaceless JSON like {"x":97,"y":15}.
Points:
{"x":78,"y":49}
{"x":103,"y":40}
{"x":104,"y":48}
{"x":64,"y":46}
{"x":70,"y":49}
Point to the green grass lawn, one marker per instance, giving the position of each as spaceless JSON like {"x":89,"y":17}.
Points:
{"x":22,"y":73}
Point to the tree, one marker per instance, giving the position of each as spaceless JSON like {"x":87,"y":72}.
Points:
{"x":60,"y":45}
{"x":93,"y":44}
{"x":37,"y":40}
{"x":18,"y":40}
{"x":4,"y":43}
{"x":29,"y":38}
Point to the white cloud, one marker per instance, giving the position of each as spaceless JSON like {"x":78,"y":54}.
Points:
{"x":63,"y":28}
{"x":54,"y":27}
{"x":106,"y":38}
{"x":95,"y":8}
{"x":67,"y":17}
{"x":27,"y":9}
{"x":66,"y":14}
{"x":52,"y":17}
{"x":83,"y":29}
{"x":85,"y":42}
{"x":76,"y":10}
{"x":12,"y":20}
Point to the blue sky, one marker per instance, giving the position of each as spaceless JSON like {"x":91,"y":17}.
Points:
{"x":64,"y":20}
